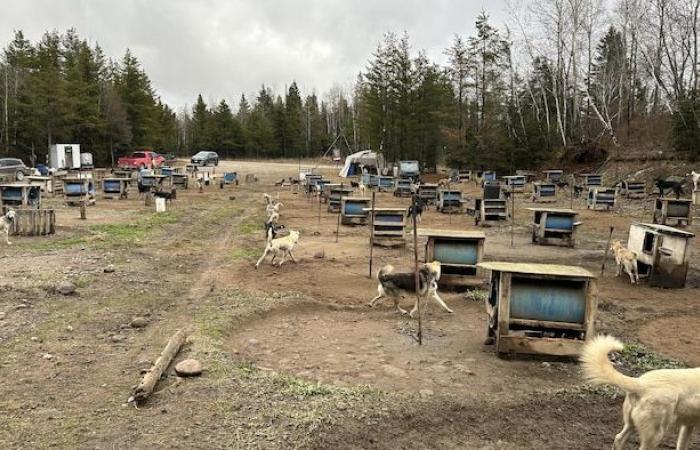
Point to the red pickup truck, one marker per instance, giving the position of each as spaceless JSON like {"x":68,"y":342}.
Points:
{"x":141,"y":160}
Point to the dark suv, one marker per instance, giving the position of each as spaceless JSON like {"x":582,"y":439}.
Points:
{"x":206,"y":159}
{"x":13,"y":169}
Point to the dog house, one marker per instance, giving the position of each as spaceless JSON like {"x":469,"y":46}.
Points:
{"x":402,"y":188}
{"x":464,"y":176}
{"x":544,"y":192}
{"x":553,"y":176}
{"x":46,"y":184}
{"x":633,"y":189}
{"x":20,"y":195}
{"x":663,"y":253}
{"x":166,"y":171}
{"x":370,"y":180}
{"x":384,"y":183}
{"x":115,"y":187}
{"x":152,"y":181}
{"x":490,"y":212}
{"x":591,"y":179}
{"x":450,"y":201}
{"x":488,"y":176}
{"x":78,"y":190}
{"x":667,"y":209}
{"x":388,"y":226}
{"x":179,"y":180}
{"x":515,"y":183}
{"x":540,"y":308}
{"x":33,"y":222}
{"x":353,"y":210}
{"x":601,"y":198}
{"x":427,"y":193}
{"x":552,"y":226}
{"x":229,"y":178}
{"x":459,"y":253}
{"x":336,"y":193}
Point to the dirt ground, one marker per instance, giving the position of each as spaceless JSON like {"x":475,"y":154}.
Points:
{"x":293,"y":357}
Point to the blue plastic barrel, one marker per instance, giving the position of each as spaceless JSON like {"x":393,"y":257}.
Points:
{"x":547,"y":300}
{"x":449,"y":251}
{"x":112,"y":186}
{"x":560,"y":222}
{"x":354,"y":209}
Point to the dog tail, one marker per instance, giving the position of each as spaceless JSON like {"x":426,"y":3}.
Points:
{"x":598,"y":369}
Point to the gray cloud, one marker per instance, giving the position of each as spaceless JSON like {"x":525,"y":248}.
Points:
{"x":224,"y":48}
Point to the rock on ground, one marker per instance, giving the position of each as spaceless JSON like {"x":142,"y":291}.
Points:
{"x":65,"y":288}
{"x":138,"y":322}
{"x":188,"y":368}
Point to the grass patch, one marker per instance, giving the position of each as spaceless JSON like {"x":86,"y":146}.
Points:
{"x":244,"y":253}
{"x":640,"y":359}
{"x":301,"y":388}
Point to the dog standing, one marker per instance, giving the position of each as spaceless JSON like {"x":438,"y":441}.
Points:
{"x":696,"y":179}
{"x":655,"y":402}
{"x":395,"y":284}
{"x":280,"y":247}
{"x":626,"y":260}
{"x":6,"y":223}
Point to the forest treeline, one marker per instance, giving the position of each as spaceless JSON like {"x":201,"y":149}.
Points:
{"x":562,"y":75}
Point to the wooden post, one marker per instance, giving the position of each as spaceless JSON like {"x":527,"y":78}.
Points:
{"x":337,"y":226}
{"x":319,"y":205}
{"x":83,"y":210}
{"x":512,"y":216}
{"x":371,"y":236}
{"x":571,"y":190}
{"x":607,"y":246}
{"x":415,"y":273}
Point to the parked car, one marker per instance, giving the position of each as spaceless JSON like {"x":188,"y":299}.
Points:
{"x":13,"y":169}
{"x":141,"y":160}
{"x":206,"y":159}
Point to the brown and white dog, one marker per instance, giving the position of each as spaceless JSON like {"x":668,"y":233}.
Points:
{"x":655,"y":402}
{"x":6,"y":223}
{"x":395,"y":284}
{"x":280,"y":247}
{"x":626,"y":260}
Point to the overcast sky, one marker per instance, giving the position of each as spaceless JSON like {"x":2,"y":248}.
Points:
{"x":223,"y":48}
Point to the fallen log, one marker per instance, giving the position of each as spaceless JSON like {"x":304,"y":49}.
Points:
{"x":150,"y":379}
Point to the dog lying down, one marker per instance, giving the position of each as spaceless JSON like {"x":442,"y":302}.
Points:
{"x":395,"y":284}
{"x":281,"y":247}
{"x":655,"y":402}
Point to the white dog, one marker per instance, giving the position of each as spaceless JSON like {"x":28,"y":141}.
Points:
{"x":280,"y":247}
{"x":273,"y":208}
{"x":626,"y":259}
{"x":655,"y":402}
{"x":6,"y":223}
{"x":394,"y":284}
{"x":696,"y":179}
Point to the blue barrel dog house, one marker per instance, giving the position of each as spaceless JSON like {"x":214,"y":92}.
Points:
{"x":459,"y":252}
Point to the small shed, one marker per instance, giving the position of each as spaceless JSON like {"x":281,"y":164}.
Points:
{"x":335,"y":196}
{"x":402,"y":188}
{"x":591,"y":179}
{"x":115,"y":187}
{"x":544,"y":192}
{"x":540,"y":308}
{"x":667,"y":209}
{"x":553,"y":176}
{"x":633,"y":189}
{"x":450,"y":201}
{"x":427,"y":192}
{"x":601,"y":198}
{"x":20,"y":195}
{"x":353,"y":210}
{"x":515,"y":183}
{"x":554,"y":226}
{"x":459,"y":253}
{"x":663,"y":253}
{"x":388,"y":226}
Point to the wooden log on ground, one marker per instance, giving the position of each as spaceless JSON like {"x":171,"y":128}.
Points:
{"x":149,"y":381}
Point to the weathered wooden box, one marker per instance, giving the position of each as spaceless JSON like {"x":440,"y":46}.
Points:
{"x":354,"y":210}
{"x":667,"y":209}
{"x":591,"y":179}
{"x":402,"y":187}
{"x":388,"y":226}
{"x":540,"y":308}
{"x":180,"y":180}
{"x":490,"y":211}
{"x":20,"y":195}
{"x":601,"y":198}
{"x":544,"y":192}
{"x":633,"y":189}
{"x":427,"y":192}
{"x":459,"y":253}
{"x":115,"y":187}
{"x":335,"y":196}
{"x":515,"y":183}
{"x":553,"y":176}
{"x":33,"y":222}
{"x":553,"y":226}
{"x":385,"y":183}
{"x":663,"y":253}
{"x":450,"y":201}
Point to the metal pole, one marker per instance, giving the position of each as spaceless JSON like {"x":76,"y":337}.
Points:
{"x":416,"y":277}
{"x":319,"y":205}
{"x":337,"y":226}
{"x":371,"y":236}
{"x":605,"y":258}
{"x":512,"y":216}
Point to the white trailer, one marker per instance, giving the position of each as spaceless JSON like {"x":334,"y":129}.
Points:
{"x":64,"y":156}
